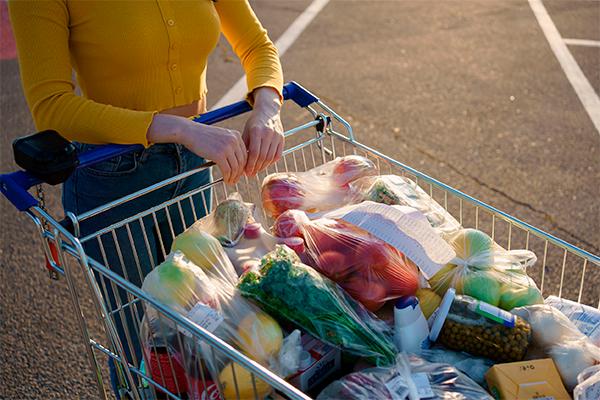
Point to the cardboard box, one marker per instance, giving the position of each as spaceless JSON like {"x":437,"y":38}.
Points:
{"x":535,"y":379}
{"x":326,"y":360}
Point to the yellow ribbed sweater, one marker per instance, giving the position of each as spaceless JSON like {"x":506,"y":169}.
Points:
{"x":132,"y":59}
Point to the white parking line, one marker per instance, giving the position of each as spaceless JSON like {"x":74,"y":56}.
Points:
{"x":284,"y":42}
{"x":582,"y":42}
{"x":585,"y":92}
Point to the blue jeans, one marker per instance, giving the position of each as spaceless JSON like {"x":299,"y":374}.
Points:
{"x":109,"y":180}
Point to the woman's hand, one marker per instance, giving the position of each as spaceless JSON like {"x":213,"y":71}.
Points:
{"x":223,"y":146}
{"x":263,"y":132}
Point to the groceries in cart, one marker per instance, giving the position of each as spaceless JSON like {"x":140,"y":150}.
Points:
{"x":214,"y":304}
{"x":319,"y":362}
{"x":227,"y":221}
{"x":368,"y":268}
{"x":472,"y":366}
{"x":487,"y":272}
{"x":294,"y":292}
{"x":409,"y":378}
{"x":254,"y":243}
{"x":585,"y":318}
{"x":480,"y":329}
{"x":205,"y":251}
{"x":399,"y":190}
{"x":588,"y":387}
{"x":301,"y":301}
{"x":320,"y":189}
{"x":233,"y":223}
{"x":556,"y":337}
{"x":532,"y":379}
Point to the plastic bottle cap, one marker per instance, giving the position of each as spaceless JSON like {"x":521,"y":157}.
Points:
{"x":442,"y":313}
{"x":407,"y":311}
{"x":252,"y":231}
{"x":295,"y":243}
{"x":407,"y":301}
{"x":306,"y":360}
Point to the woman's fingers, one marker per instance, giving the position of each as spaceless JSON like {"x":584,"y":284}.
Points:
{"x":279,"y":152}
{"x":232,"y":156}
{"x":253,"y":153}
{"x":261,"y":158}
{"x":223,"y":164}
{"x":272,"y":152}
{"x":241,"y":156}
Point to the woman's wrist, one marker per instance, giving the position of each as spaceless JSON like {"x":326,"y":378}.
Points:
{"x":168,"y":129}
{"x":266,"y":98}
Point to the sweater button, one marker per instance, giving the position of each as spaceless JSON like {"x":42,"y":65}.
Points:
{"x":177,"y":90}
{"x":171,"y":22}
{"x":174,"y":67}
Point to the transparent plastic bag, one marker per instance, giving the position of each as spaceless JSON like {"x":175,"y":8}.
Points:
{"x":484,"y":270}
{"x":234,"y":225}
{"x":215,"y":304}
{"x":227,"y":221}
{"x":205,"y":251}
{"x":483,"y":330}
{"x":398,"y":190}
{"x":251,"y":247}
{"x":409,"y":378}
{"x":556,"y":336}
{"x":319,"y":189}
{"x":474,"y":367}
{"x":292,"y":291}
{"x":368,"y":268}
{"x":588,"y":387}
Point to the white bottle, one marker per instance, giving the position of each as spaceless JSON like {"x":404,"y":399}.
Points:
{"x":411,"y":332}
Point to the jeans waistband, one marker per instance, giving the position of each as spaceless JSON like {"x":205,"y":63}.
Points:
{"x":170,"y":148}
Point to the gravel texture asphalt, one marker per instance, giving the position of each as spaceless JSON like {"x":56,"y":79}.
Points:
{"x":468,"y":92}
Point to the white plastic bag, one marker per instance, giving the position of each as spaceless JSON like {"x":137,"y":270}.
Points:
{"x":560,"y":339}
{"x":411,"y":378}
{"x":399,"y":190}
{"x":589,"y":384}
{"x":474,"y":367}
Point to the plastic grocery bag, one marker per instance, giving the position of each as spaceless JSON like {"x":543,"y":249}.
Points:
{"x":398,"y":190}
{"x":474,"y":367}
{"x":319,"y":189}
{"x":484,"y":330}
{"x":409,"y":378}
{"x":486,"y":271}
{"x":216,"y":305}
{"x":205,"y":251}
{"x":588,"y":387}
{"x":227,"y":221}
{"x":294,"y":292}
{"x":368,"y":268}
{"x":251,"y":247}
{"x":556,"y":336}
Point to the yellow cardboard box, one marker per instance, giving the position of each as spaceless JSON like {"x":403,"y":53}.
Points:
{"x":524,"y":380}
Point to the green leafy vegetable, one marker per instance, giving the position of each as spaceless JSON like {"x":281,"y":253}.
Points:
{"x":288,"y":289}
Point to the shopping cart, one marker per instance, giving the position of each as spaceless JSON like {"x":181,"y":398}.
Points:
{"x":564,"y":270}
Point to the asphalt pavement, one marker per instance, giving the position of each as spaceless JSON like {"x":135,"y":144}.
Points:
{"x":468,"y":92}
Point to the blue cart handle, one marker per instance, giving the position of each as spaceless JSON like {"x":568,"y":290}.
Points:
{"x":14,"y":185}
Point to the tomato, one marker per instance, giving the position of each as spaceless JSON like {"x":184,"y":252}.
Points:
{"x":371,"y":293}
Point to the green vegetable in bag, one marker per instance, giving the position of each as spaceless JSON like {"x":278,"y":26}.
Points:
{"x":290,"y":290}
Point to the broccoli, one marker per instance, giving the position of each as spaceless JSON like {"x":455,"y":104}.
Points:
{"x":290,"y":290}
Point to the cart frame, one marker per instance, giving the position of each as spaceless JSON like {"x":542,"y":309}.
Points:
{"x":325,"y":141}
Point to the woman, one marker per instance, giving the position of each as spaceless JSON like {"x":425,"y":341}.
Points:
{"x":141,"y":66}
